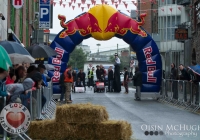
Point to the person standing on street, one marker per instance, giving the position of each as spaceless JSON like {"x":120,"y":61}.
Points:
{"x":81,"y":75}
{"x":116,"y":81}
{"x":174,"y":76}
{"x":74,"y":79}
{"x":126,"y":80}
{"x":68,"y":83}
{"x":110,"y":79}
{"x":137,"y":78}
{"x":91,"y":77}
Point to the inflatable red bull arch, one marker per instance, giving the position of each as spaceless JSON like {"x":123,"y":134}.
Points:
{"x":103,"y":22}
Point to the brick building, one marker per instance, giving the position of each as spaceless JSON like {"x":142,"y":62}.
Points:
{"x":151,"y":20}
{"x":20,"y":22}
{"x":195,"y":27}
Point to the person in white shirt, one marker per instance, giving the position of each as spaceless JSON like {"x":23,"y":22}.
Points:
{"x":117,"y":60}
{"x":116,"y":82}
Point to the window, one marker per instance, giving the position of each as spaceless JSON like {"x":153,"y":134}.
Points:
{"x":197,"y":13}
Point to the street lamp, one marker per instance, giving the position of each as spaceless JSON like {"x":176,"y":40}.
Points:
{"x":98,"y":47}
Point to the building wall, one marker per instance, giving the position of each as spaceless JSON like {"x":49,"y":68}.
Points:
{"x":19,"y":20}
{"x":195,"y":32}
{"x":151,"y":20}
{"x":3,"y":23}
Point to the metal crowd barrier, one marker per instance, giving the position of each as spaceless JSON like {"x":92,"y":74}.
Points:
{"x":36,"y":109}
{"x":180,"y":93}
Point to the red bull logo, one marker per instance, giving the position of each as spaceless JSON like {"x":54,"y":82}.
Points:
{"x":116,"y":24}
{"x":85,"y":24}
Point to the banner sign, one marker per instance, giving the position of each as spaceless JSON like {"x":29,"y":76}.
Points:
{"x":17,"y":4}
{"x":45,"y":14}
{"x":15,"y":118}
{"x":181,"y":34}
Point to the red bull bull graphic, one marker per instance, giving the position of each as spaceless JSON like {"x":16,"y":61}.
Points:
{"x":90,"y":25}
{"x":116,"y":24}
{"x":103,"y":22}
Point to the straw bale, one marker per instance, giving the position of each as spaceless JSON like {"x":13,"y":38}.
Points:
{"x":48,"y":129}
{"x":52,"y":130}
{"x":113,"y":130}
{"x":81,"y":113}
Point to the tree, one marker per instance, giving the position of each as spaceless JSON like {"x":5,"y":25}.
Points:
{"x":77,"y":58}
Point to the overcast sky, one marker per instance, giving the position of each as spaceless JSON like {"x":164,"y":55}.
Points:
{"x":70,"y":14}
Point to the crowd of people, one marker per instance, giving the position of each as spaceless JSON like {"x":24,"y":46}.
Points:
{"x":18,"y":83}
{"x":186,"y":74}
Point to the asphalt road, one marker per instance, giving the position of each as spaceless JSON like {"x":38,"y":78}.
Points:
{"x":164,"y":121}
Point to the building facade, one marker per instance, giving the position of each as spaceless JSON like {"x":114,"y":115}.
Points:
{"x":195,"y":24}
{"x":171,"y":15}
{"x":3,"y":22}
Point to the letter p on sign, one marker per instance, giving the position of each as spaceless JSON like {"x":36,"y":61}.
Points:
{"x":44,"y":11}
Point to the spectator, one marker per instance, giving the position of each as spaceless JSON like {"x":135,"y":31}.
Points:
{"x":31,"y":70}
{"x":196,"y":83}
{"x":16,"y":89}
{"x":20,"y":73}
{"x":81,"y":75}
{"x":68,"y":84}
{"x":37,"y":78}
{"x":91,"y":77}
{"x":184,"y":76}
{"x":74,"y":78}
{"x":126,"y":80}
{"x":98,"y":73}
{"x":137,"y":78}
{"x":3,"y":92}
{"x":117,"y":81}
{"x":110,"y":79}
{"x":3,"y":75}
{"x":174,"y":76}
{"x":62,"y":87}
{"x":10,"y":79}
{"x":41,"y":69}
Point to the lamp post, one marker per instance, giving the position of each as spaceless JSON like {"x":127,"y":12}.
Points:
{"x":98,"y":48}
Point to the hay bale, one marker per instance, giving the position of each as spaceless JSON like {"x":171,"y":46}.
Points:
{"x":48,"y":129}
{"x":52,"y":130}
{"x":113,"y":130}
{"x":81,"y":113}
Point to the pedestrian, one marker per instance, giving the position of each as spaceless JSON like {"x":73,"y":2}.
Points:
{"x":62,"y":87}
{"x":10,"y":79}
{"x":196,"y":81}
{"x":74,"y":79}
{"x":110,"y":79}
{"x":41,"y":69}
{"x":81,"y":75}
{"x":184,"y":76}
{"x":116,"y":81}
{"x":91,"y":77}
{"x":137,"y":78}
{"x":98,"y":73}
{"x":68,"y":83}
{"x":174,"y":77}
{"x":126,"y":80}
{"x":20,"y":73}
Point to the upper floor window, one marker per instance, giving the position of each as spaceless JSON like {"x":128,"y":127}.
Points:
{"x":197,"y":13}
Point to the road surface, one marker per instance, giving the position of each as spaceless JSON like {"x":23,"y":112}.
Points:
{"x":150,"y":119}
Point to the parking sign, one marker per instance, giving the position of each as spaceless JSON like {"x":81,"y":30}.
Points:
{"x":45,"y":14}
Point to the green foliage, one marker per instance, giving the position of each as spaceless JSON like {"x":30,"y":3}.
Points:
{"x":77,"y":58}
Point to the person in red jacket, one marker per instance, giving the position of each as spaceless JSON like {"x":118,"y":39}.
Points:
{"x":68,"y":83}
{"x":10,"y":79}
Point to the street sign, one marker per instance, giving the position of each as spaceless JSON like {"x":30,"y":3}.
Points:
{"x":45,"y":14}
{"x":17,"y":4}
